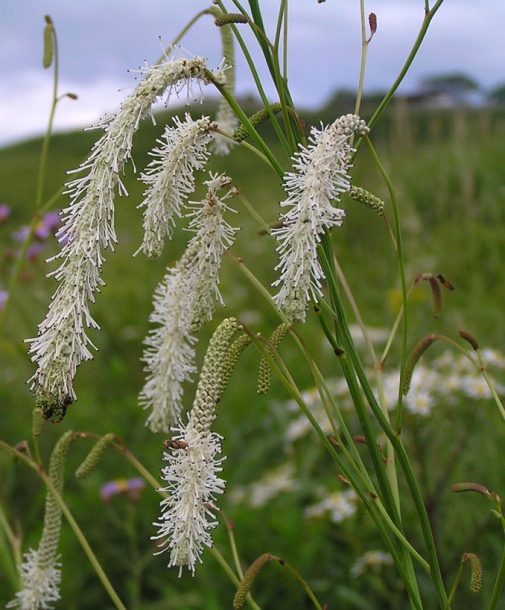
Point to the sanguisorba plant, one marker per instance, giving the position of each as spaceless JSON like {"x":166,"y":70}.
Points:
{"x":309,"y":283}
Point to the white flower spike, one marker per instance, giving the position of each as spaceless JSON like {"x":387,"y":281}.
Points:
{"x":41,"y":583}
{"x":170,"y":178}
{"x":183,"y":302}
{"x":321,"y":176}
{"x":192,"y":471}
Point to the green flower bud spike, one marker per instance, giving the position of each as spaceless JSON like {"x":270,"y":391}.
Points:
{"x":371,"y":201}
{"x":40,"y":570}
{"x":476,"y":577}
{"x":460,"y":487}
{"x":93,"y":457}
{"x":37,"y":420}
{"x":231,"y":18}
{"x":47,"y":58}
{"x":52,"y":518}
{"x":210,"y":385}
{"x":247,"y":581}
{"x":234,"y":353}
{"x":265,"y":372}
{"x":435,"y":289}
{"x":256,"y":119}
{"x":52,"y":515}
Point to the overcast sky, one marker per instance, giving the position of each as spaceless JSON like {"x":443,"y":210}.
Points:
{"x":100,"y":39}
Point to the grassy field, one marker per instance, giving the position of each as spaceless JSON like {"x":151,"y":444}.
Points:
{"x":447,"y":169}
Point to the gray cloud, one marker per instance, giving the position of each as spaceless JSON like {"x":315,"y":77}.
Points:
{"x":99,"y":40}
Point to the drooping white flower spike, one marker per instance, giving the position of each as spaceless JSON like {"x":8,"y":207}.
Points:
{"x":321,"y":175}
{"x":192,"y":467}
{"x":88,"y":229}
{"x":184,"y":301}
{"x":170,"y":178}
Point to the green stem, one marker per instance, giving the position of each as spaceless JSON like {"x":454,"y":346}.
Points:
{"x":208,"y":11}
{"x":455,"y":585}
{"x":10,"y":560}
{"x":259,"y":219}
{"x":243,"y":118}
{"x":364,"y":49}
{"x":479,"y":365}
{"x":233,"y":545}
{"x":499,"y":584}
{"x":401,"y":269}
{"x":351,"y":475}
{"x":302,"y":582}
{"x":267,"y":46}
{"x":40,"y":186}
{"x":47,"y":138}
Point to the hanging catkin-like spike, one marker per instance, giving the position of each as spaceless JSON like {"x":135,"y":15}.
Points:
{"x":476,"y":575}
{"x":470,"y":338}
{"x":246,"y":583}
{"x":256,"y":119}
{"x":264,"y":371}
{"x":232,"y":356}
{"x":231,"y":18}
{"x":93,"y":457}
{"x":413,"y":359}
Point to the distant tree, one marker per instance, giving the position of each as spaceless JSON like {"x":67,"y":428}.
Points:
{"x":454,"y":89}
{"x":498,"y":94}
{"x":455,"y":84}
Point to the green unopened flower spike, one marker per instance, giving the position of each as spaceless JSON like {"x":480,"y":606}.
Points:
{"x":93,"y":457}
{"x":264,"y":371}
{"x":37,"y":422}
{"x":47,"y":58}
{"x":231,"y":18}
{"x":40,"y":571}
{"x":187,"y":513}
{"x":372,"y":22}
{"x":248,"y":580}
{"x":369,"y":199}
{"x":413,"y":359}
{"x":476,"y":575}
{"x":256,"y":120}
{"x":234,"y":353}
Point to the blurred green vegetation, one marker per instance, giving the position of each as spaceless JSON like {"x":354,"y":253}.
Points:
{"x":447,"y":168}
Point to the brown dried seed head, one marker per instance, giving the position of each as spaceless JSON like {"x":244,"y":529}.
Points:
{"x":470,"y":338}
{"x":372,"y":22}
